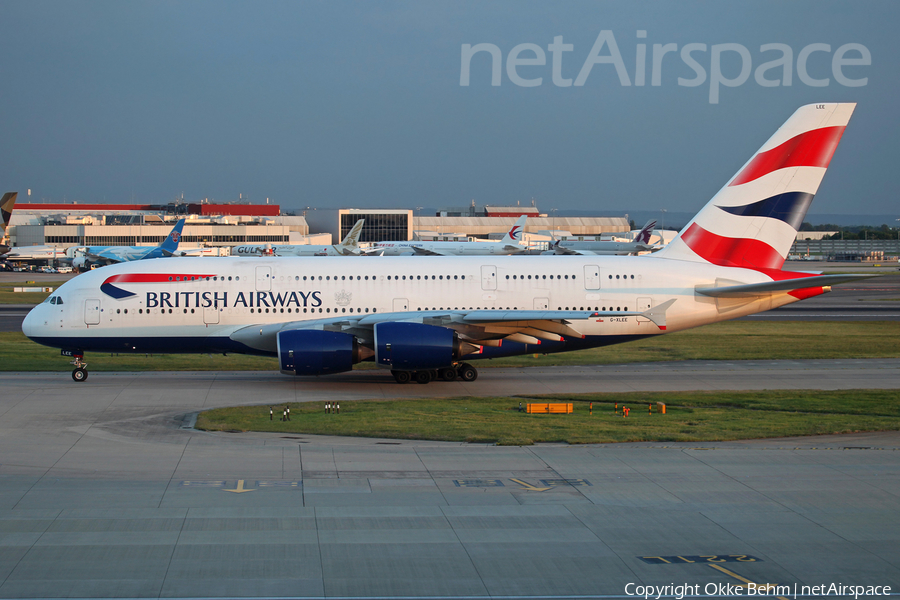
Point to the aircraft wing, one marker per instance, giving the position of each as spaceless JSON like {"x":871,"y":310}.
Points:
{"x":749,"y":290}
{"x":476,"y":327}
{"x":571,"y":251}
{"x":105,"y":257}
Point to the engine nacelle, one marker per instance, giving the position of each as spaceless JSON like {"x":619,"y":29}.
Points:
{"x":314,"y":352}
{"x":414,"y":347}
{"x":81,"y":263}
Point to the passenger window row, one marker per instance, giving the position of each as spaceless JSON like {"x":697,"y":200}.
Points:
{"x":572,"y":277}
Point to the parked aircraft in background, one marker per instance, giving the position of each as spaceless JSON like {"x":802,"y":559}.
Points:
{"x":426,"y":318}
{"x":510,"y":244}
{"x":640,"y":243}
{"x":348,"y":247}
{"x":84,"y":257}
{"x":6,"y":207}
{"x":36,"y":254}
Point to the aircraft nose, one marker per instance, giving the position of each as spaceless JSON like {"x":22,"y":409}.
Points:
{"x":33,"y":322}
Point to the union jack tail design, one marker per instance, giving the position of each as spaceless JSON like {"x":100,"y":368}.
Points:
{"x":753,"y":220}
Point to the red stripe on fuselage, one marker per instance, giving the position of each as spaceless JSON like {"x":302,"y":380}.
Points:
{"x":811,"y":149}
{"x":153,"y":277}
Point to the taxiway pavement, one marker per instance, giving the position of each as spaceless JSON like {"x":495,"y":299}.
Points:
{"x":106,"y":491}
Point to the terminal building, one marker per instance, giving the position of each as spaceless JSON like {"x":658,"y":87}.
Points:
{"x":64,"y":225}
{"x":399,"y":224}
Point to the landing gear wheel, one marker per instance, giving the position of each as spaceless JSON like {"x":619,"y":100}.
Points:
{"x":401,"y":376}
{"x":467,"y":372}
{"x":447,"y":373}
{"x":80,"y":374}
{"x":423,"y":376}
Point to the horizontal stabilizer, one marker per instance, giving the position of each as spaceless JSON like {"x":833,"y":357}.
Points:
{"x":785,"y":285}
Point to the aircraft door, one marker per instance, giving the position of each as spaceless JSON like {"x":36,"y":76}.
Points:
{"x":211,"y":315}
{"x":591,"y":277}
{"x":401,"y":304}
{"x":488,"y":277}
{"x":91,"y":312}
{"x":644,"y":304}
{"x":263,"y":279}
{"x":541,"y":303}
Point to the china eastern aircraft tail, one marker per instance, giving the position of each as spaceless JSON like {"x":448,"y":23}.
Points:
{"x":513,"y":237}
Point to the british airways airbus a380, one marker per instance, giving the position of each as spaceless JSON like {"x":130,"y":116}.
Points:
{"x":425,"y":318}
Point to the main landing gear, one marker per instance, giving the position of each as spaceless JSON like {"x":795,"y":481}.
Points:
{"x":463,"y":371}
{"x":80,"y":373}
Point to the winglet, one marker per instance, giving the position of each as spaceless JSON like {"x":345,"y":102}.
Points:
{"x":657,"y":314}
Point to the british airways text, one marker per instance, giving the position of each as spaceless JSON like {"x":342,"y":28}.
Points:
{"x":244,"y":299}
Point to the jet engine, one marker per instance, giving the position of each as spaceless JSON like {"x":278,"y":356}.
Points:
{"x":416,"y":347}
{"x":81,"y":263}
{"x":315,"y":352}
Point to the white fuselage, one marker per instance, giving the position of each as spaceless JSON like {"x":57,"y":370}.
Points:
{"x":449,"y":248}
{"x":193,"y":304}
{"x":25,"y":253}
{"x":286,"y":250}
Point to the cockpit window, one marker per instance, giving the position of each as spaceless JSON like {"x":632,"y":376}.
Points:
{"x":59,"y":300}
{"x":54,"y":300}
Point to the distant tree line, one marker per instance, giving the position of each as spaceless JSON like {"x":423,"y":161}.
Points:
{"x":855,"y":232}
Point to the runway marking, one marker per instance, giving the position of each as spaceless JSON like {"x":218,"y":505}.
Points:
{"x":240,"y":488}
{"x":478,"y":483}
{"x":293,"y":484}
{"x":572,"y":482}
{"x":216,"y":484}
{"x":758,"y":588}
{"x":529,"y":487}
{"x":699,"y":558}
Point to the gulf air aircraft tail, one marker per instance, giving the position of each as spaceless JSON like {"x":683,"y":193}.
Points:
{"x":753,"y":220}
{"x":6,"y":208}
{"x":513,"y":237}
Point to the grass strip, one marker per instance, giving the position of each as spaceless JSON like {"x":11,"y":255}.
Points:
{"x":733,"y":340}
{"x":8,"y":296}
{"x":690,"y":417}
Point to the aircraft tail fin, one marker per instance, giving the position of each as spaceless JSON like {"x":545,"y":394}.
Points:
{"x":514,"y":235}
{"x":170,"y":244}
{"x":351,"y":242}
{"x":6,"y":207}
{"x":643,"y":236}
{"x":753,"y":220}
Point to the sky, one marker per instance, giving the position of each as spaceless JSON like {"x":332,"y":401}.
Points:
{"x":364,"y":104}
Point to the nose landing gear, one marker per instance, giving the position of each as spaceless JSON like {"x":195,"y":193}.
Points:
{"x":80,"y":373}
